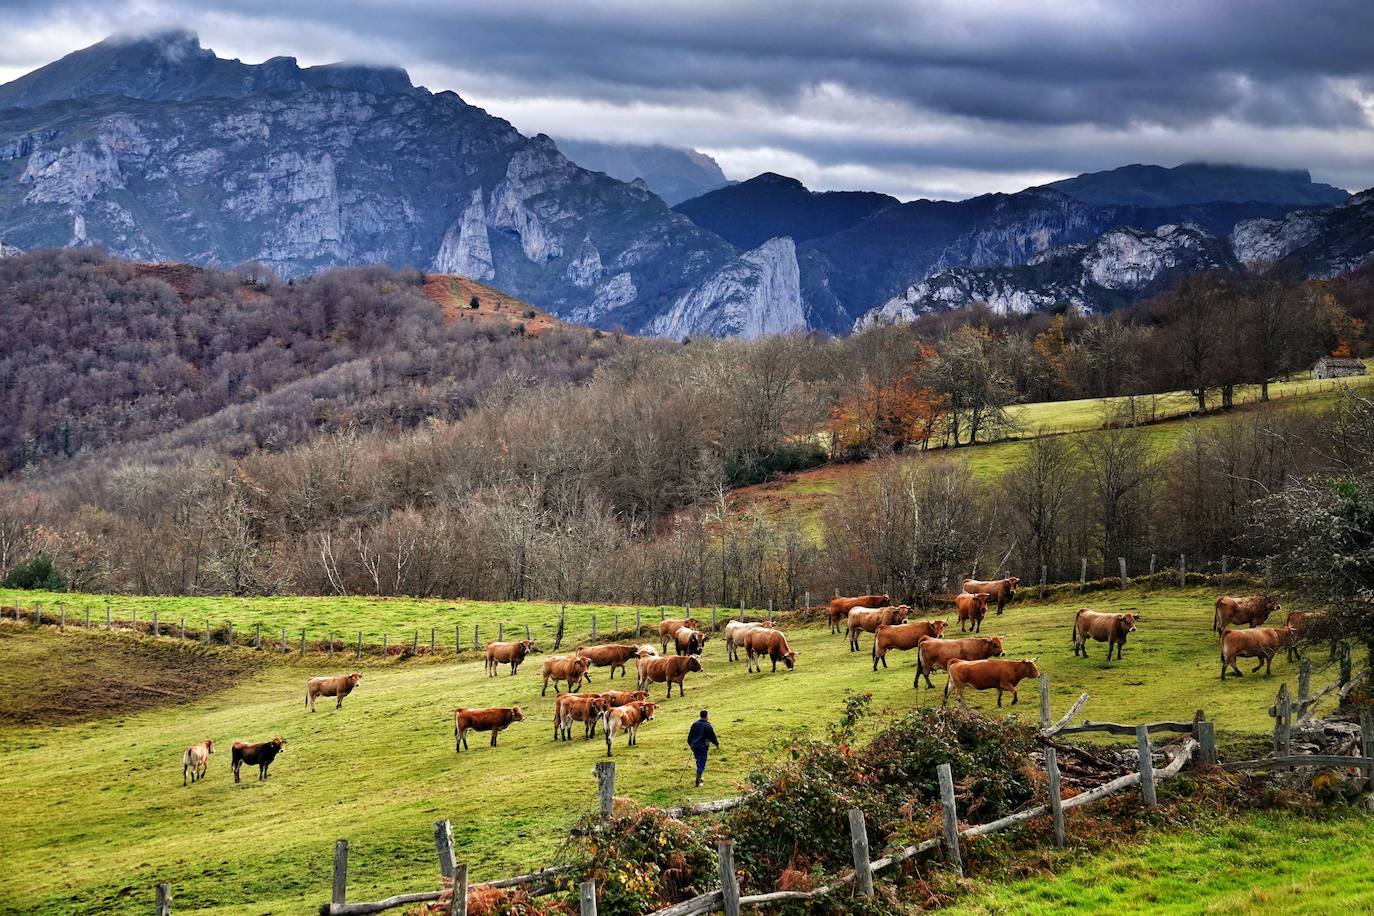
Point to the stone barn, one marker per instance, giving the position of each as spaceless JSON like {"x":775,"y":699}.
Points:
{"x":1337,"y":367}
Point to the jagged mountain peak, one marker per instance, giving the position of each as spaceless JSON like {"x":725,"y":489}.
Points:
{"x":172,"y":65}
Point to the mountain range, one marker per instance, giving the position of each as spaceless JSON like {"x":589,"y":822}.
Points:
{"x":159,"y":150}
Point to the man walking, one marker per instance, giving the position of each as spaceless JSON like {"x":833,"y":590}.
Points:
{"x":700,"y":735}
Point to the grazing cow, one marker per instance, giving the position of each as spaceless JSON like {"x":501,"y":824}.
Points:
{"x":1109,"y":628}
{"x":1004,"y":674}
{"x":1262,"y":643}
{"x":612,"y":656}
{"x":689,"y":641}
{"x":1303,"y":623}
{"x":667,"y":629}
{"x":865,"y":619}
{"x":1252,"y":609}
{"x":973,"y":607}
{"x":494,"y":719}
{"x":934,"y":655}
{"x":570,"y":707}
{"x":261,"y":754}
{"x":337,"y":687}
{"x":616,"y":698}
{"x":627,"y":719}
{"x":196,"y":759}
{"x":734,"y":634}
{"x":670,"y":670}
{"x":903,"y":636}
{"x":1002,"y":591}
{"x":500,"y":653}
{"x":772,"y":643}
{"x":570,"y":668}
{"x":840,"y":607}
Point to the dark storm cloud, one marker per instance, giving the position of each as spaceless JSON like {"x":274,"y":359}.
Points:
{"x":1096,"y":73}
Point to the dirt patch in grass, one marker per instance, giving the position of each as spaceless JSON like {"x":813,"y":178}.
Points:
{"x":48,"y":677}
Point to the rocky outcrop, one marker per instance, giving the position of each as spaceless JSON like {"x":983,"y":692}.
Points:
{"x":611,"y":296}
{"x":465,"y":248}
{"x":757,"y":294}
{"x":585,"y":269}
{"x":9,"y":251}
{"x":1321,"y":243}
{"x":1120,"y":266}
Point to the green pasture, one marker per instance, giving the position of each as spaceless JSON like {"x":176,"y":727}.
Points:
{"x":93,"y":814}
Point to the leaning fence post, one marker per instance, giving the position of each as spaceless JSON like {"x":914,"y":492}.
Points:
{"x":1082,"y":573}
{"x":1147,"y":765}
{"x":1121,"y":561}
{"x":1044,"y":700}
{"x":858,"y":842}
{"x":587,"y":898}
{"x":605,"y":785}
{"x":1056,"y":803}
{"x":1207,"y":738}
{"x":951,"y":819}
{"x":340,"y":887}
{"x":729,"y":884}
{"x":1367,"y":743}
{"x":164,"y":900}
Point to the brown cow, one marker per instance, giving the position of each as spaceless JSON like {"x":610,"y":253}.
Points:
{"x":689,"y":641}
{"x":612,"y":656}
{"x":671,"y":670}
{"x":494,"y":719}
{"x":1109,"y":628}
{"x":840,"y":607}
{"x":616,"y":698}
{"x":500,"y":653}
{"x":867,"y":620}
{"x":1259,"y":642}
{"x":903,"y":636}
{"x":1303,"y":623}
{"x":934,"y":655}
{"x":667,"y":629}
{"x":772,"y":643}
{"x":196,"y":759}
{"x":1252,"y":609}
{"x":987,"y":673}
{"x":1000,"y":590}
{"x":261,"y":754}
{"x":570,"y":707}
{"x":734,"y":634}
{"x":570,"y":668}
{"x":972,"y":609}
{"x":337,"y":687}
{"x":627,"y":718}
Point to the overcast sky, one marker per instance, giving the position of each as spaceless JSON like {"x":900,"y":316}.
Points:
{"x":915,"y":98}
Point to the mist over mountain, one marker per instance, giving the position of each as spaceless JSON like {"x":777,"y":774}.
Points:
{"x":673,"y":173}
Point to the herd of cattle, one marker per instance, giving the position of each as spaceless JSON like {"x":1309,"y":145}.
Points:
{"x":972,"y":660}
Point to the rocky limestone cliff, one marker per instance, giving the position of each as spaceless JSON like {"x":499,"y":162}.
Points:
{"x":159,"y":150}
{"x":1321,"y":243}
{"x":757,"y":294}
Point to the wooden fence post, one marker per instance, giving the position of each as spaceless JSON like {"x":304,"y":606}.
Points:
{"x":164,"y":900}
{"x":593,"y":627}
{"x":1082,"y":573}
{"x":360,"y":645}
{"x":1304,"y":683}
{"x":386,"y":646}
{"x":415,"y":643}
{"x":1152,"y":569}
{"x":1225,"y":562}
{"x":460,"y":889}
{"x":1182,"y":571}
{"x":331,"y":642}
{"x":257,"y":635}
{"x":1367,"y":744}
{"x":1207,"y":738}
{"x":729,"y":884}
{"x":157,"y":626}
{"x":858,"y":843}
{"x":808,"y":599}
{"x":1283,"y":720}
{"x":433,"y":641}
{"x":133,"y":620}
{"x":1268,"y":572}
{"x":282,"y":645}
{"x":500,"y":631}
{"x":587,"y":898}
{"x":638,"y":628}
{"x":476,"y":639}
{"x":88,"y":619}
{"x":284,"y":648}
{"x":1147,"y":765}
{"x":527,"y":633}
{"x":951,"y":819}
{"x":713,"y":618}
{"x":1121,"y":561}
{"x":1044,"y":577}
{"x":340,"y":887}
{"x":457,"y":638}
{"x":107,"y":613}
{"x":1345,"y":663}
{"x":1044,"y":700}
{"x":1056,"y":803}
{"x":443,"y":845}
{"x":183,"y":628}
{"x":61,"y":616}
{"x":605,"y":785}
{"x":207,"y":632}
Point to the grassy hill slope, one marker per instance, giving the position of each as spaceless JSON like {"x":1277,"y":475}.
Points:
{"x":93,"y":814}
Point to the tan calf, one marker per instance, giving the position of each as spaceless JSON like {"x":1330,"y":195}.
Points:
{"x":972,"y":609}
{"x":195,"y":760}
{"x":626,"y":719}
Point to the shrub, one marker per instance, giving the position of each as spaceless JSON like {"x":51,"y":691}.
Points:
{"x":37,"y":573}
{"x":641,"y":861}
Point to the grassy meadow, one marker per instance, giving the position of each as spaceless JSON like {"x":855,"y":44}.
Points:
{"x":93,"y":815}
